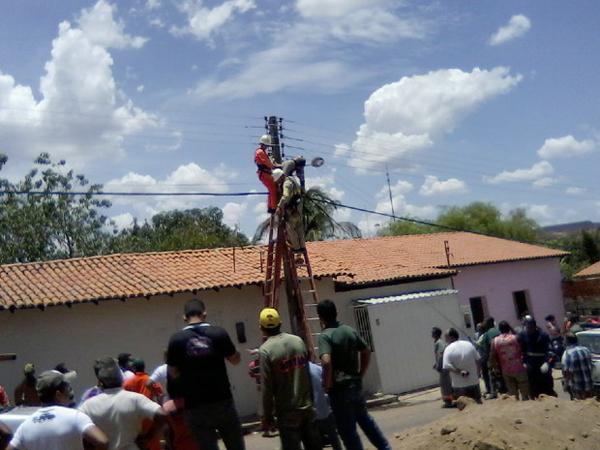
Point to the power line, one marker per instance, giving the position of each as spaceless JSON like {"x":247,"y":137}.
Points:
{"x":248,"y":194}
{"x":133,"y":194}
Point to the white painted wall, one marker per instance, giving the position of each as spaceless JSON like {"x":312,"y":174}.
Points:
{"x":402,"y":338}
{"x":79,"y":335}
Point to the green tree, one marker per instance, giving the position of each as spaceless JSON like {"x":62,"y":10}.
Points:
{"x":400,"y":227}
{"x":589,"y":246}
{"x":179,"y":230}
{"x":478,"y":216}
{"x":317,"y":211}
{"x":37,"y":225}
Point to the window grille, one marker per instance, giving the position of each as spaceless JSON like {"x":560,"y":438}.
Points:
{"x":363,"y":326}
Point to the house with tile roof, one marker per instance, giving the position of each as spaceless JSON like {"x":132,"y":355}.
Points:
{"x":582,"y":293}
{"x":392,"y":289}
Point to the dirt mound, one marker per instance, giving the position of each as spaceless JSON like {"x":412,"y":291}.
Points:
{"x":505,"y":424}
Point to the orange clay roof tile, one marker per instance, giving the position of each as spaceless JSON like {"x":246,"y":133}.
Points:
{"x":352,"y":262}
{"x":592,"y":271}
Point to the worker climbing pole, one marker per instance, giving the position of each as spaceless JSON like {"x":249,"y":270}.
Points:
{"x":286,"y":245}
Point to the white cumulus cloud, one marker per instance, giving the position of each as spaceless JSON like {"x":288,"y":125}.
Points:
{"x":565,"y":147}
{"x":101,"y":28}
{"x":233,"y":212}
{"x":203,"y":22}
{"x":516,"y":27}
{"x":435,"y":186}
{"x":402,"y":207}
{"x":81,"y":114}
{"x":408,"y":115}
{"x":539,"y":170}
{"x":186,"y":178}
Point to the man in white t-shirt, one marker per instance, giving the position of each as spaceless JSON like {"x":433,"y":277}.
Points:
{"x":461,"y":359}
{"x":120,"y":413}
{"x":55,"y":427}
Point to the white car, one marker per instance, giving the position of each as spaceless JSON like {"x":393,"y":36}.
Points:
{"x":591,"y":340}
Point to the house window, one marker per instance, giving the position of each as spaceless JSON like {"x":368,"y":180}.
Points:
{"x":363,"y":326}
{"x":521,"y":299}
{"x":478,"y":309}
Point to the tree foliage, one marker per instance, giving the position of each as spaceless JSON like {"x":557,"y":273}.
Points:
{"x":478,"y":216}
{"x":35,"y":225}
{"x":319,"y":224}
{"x":179,"y":230}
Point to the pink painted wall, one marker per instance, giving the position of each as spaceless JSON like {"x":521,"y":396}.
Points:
{"x":496,"y":282}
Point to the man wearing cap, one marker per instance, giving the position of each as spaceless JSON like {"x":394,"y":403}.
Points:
{"x":54,"y":426}
{"x":120,"y":413}
{"x":264,"y":170}
{"x":25,"y":392}
{"x":286,"y":386}
{"x":197,"y":375}
{"x":537,"y":357}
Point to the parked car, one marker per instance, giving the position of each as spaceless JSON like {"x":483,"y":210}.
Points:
{"x":591,"y":340}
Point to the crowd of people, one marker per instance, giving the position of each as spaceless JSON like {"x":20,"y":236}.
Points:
{"x":514,"y":362}
{"x":188,"y":400}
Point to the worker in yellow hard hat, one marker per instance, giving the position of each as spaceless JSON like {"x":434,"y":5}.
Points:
{"x":286,"y":386}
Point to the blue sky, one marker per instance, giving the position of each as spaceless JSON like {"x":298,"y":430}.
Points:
{"x":463,"y":101}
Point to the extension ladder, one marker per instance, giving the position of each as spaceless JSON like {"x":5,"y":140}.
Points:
{"x":303,"y":286}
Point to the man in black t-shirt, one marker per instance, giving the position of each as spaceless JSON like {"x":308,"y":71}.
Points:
{"x":197,"y":375}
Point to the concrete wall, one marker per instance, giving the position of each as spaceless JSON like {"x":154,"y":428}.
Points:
{"x":496,"y":282}
{"x":78,"y":335}
{"x":402,"y":335}
{"x":142,"y":327}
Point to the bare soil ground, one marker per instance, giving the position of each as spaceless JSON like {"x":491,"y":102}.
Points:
{"x":505,"y":424}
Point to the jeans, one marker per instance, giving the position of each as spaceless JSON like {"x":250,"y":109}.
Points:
{"x":329,"y":434}
{"x":299,"y":427}
{"x":205,"y":420}
{"x":349,"y":409}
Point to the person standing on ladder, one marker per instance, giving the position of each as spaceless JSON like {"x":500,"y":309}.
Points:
{"x":265,"y":171}
{"x":290,"y":209}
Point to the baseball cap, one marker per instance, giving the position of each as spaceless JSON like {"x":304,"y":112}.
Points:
{"x":108,"y":371}
{"x":269,"y":318}
{"x":49,"y":382}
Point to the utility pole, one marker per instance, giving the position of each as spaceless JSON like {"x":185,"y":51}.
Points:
{"x":387,"y":174}
{"x":274,"y":126}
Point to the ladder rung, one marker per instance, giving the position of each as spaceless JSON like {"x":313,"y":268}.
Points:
{"x":311,"y":304}
{"x":312,"y":318}
{"x":310,"y":290}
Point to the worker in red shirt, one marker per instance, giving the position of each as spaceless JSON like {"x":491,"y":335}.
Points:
{"x":265,"y":167}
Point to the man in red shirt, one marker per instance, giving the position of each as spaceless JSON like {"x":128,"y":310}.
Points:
{"x":265,"y":167}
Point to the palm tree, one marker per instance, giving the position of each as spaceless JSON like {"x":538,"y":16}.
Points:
{"x":319,"y":224}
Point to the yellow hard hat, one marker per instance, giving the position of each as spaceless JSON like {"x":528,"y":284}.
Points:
{"x":269,"y":318}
